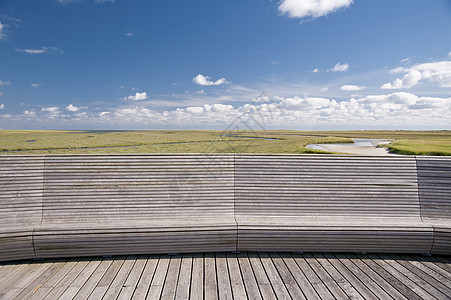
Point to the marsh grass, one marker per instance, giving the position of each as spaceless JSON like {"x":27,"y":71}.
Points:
{"x":211,"y":141}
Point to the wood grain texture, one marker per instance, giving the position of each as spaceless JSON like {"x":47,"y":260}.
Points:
{"x":21,"y":196}
{"x":230,"y":276}
{"x":69,"y":206}
{"x":329,"y":203}
{"x":434,"y":185}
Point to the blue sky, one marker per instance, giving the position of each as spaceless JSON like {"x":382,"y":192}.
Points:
{"x":136,"y":64}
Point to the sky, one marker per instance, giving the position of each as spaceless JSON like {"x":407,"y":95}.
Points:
{"x":203,"y":64}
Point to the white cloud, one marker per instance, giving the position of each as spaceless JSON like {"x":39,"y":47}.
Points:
{"x":72,"y":108}
{"x":340,"y":68}
{"x":315,"y":70}
{"x":2,"y":106}
{"x":52,"y":109}
{"x":129,"y":34}
{"x":1,"y":30}
{"x":437,"y":72}
{"x":35,"y":85}
{"x":137,"y":97}
{"x":201,"y":92}
{"x":351,"y":87}
{"x":4,"y":82}
{"x":205,"y":80}
{"x":311,"y":8}
{"x":449,"y":53}
{"x":29,"y":113}
{"x":40,"y":51}
{"x":405,"y":60}
{"x":195,"y":110}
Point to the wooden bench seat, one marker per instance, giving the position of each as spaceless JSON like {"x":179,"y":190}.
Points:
{"x":105,"y":205}
{"x":63,"y":206}
{"x":316,"y":203}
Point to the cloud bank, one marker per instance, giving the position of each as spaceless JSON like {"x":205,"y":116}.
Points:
{"x":399,"y":110}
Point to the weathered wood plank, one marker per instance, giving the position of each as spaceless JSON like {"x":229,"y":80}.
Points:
{"x":274,"y":278}
{"x":197,"y":279}
{"x":236,"y":279}
{"x":146,"y":277}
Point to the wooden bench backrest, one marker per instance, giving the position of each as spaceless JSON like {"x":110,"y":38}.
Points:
{"x":284,"y":185}
{"x":21,"y":190}
{"x":98,"y":187}
{"x":434,"y":177}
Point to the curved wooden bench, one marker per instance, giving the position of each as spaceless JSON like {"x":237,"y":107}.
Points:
{"x":62,"y":206}
{"x":329,"y":203}
{"x":434,"y":184}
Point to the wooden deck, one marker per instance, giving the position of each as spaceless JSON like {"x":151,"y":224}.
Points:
{"x":252,"y":275}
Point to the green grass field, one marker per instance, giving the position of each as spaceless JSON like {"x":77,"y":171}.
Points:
{"x":208,"y":141}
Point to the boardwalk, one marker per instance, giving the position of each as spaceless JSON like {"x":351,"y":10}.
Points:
{"x":230,"y":276}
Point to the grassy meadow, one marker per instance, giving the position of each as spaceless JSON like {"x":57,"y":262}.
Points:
{"x":210,"y":141}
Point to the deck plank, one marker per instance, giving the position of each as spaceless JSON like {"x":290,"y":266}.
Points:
{"x":249,"y":280}
{"x":90,"y":284}
{"x":170,"y":283}
{"x":133,"y":278}
{"x":183,"y":284}
{"x":314,"y":280}
{"x":236,"y":280}
{"x":261,"y":277}
{"x":254,"y":275}
{"x":274,"y":278}
{"x":222,"y":273}
{"x":146,"y":278}
{"x":156,"y":287}
{"x":350,"y":277}
{"x":414,"y":276}
{"x":211,"y":283}
{"x":197,"y":277}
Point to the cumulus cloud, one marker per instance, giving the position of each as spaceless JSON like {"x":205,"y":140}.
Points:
{"x":40,"y":51}
{"x":436,"y":72}
{"x":72,"y":108}
{"x":52,"y":109}
{"x":205,"y":80}
{"x":315,"y":70}
{"x":129,"y":34}
{"x":340,"y":68}
{"x":35,"y":85}
{"x":4,"y":82}
{"x":351,"y":87}
{"x":2,"y":106}
{"x":311,"y":8}
{"x":137,"y":97}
